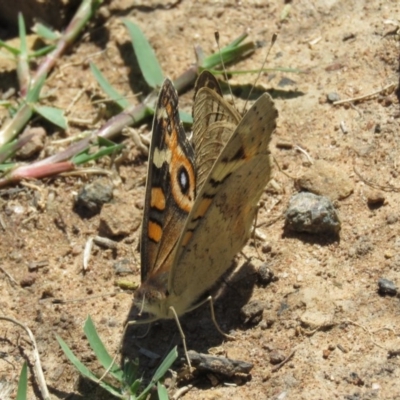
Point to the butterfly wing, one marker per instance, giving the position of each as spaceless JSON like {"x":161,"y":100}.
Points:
{"x":214,"y":121}
{"x":170,"y":189}
{"x":220,"y":221}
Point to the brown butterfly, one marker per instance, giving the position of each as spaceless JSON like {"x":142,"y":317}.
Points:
{"x":201,"y":194}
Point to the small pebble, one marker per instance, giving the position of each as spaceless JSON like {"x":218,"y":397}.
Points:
{"x":122,"y":267}
{"x":35,"y":139}
{"x":386,"y":287}
{"x":326,"y":353}
{"x":391,"y":219}
{"x":265,"y":275}
{"x":28,"y":280}
{"x":375,"y":198}
{"x":252,"y":312}
{"x":332,"y":97}
{"x":310,"y":213}
{"x":92,"y":196}
{"x":286,"y":82}
{"x":276,"y":357}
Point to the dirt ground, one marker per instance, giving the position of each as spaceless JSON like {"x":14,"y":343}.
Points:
{"x":323,"y":310}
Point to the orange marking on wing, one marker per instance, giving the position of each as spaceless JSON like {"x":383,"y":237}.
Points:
{"x":154,"y":231}
{"x":178,"y":161}
{"x":186,"y":238}
{"x":157,"y":198}
{"x":203,"y":207}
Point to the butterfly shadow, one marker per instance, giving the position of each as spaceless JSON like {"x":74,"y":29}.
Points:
{"x":230,"y":294}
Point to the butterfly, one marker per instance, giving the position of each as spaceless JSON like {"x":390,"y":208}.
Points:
{"x":201,"y":194}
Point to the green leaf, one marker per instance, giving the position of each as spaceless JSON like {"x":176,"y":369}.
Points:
{"x":162,"y":392}
{"x":228,"y":54}
{"x":108,"y":89}
{"x":101,"y":353}
{"x":147,"y":60}
{"x":109,"y":148}
{"x":130,"y":376}
{"x":7,"y":150}
{"x":7,"y":167}
{"x":45,"y":33}
{"x":134,"y":387}
{"x":236,"y":41}
{"x":84,"y":370}
{"x":42,"y":51}
{"x":166,"y":364}
{"x":22,"y":37}
{"x":22,"y":383}
{"x":186,"y":118}
{"x":54,"y":115}
{"x":34,"y":91}
{"x":161,"y":370}
{"x":14,"y":51}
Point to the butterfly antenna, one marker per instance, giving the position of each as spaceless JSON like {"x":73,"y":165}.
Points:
{"x":216,"y":35}
{"x":273,"y":40}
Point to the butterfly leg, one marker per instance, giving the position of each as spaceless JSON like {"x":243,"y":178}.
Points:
{"x":172,"y":309}
{"x":210,"y":299}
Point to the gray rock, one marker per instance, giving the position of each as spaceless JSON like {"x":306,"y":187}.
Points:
{"x":386,"y":287}
{"x":332,"y":97}
{"x":252,"y":312}
{"x":310,"y":213}
{"x":93,"y":195}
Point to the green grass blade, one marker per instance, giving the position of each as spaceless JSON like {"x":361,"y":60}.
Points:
{"x":134,"y":387}
{"x":228,"y":54}
{"x":186,"y":118}
{"x":23,"y":383}
{"x":11,"y":49}
{"x":130,"y":371}
{"x":45,"y":33}
{"x":106,"y":150}
{"x":162,"y":392}
{"x":7,"y":167}
{"x":101,"y":353}
{"x":84,"y":370}
{"x":108,"y":89}
{"x":236,"y":41}
{"x":54,"y":115}
{"x":42,"y":52}
{"x":166,"y":364}
{"x":34,"y":91}
{"x":146,"y":57}
{"x":161,"y":370}
{"x":7,"y":150}
{"x":22,"y":37}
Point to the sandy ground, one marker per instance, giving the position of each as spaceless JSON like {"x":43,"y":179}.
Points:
{"x":323,"y":309}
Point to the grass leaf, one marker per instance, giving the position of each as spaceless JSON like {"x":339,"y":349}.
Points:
{"x":22,"y":37}
{"x":45,"y":32}
{"x":14,"y":51}
{"x":98,"y":347}
{"x":161,"y":370}
{"x":54,"y":115}
{"x":186,"y":118}
{"x":84,"y":370}
{"x":162,"y":392}
{"x":22,"y":383}
{"x":146,"y":57}
{"x":228,"y":54}
{"x":34,"y":91}
{"x":107,"y":87}
{"x":106,"y":148}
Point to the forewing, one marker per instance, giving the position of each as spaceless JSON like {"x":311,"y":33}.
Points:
{"x":221,"y":218}
{"x":171,"y":183}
